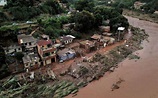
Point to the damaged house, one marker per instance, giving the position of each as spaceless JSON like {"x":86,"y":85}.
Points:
{"x":31,"y":61}
{"x":67,"y":39}
{"x":27,"y":42}
{"x":12,"y":49}
{"x":89,"y":46}
{"x":47,"y":51}
{"x":66,"y":54}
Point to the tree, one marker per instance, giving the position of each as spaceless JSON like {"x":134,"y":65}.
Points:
{"x":4,"y":71}
{"x":3,"y":67}
{"x":105,"y":12}
{"x":85,"y":5}
{"x":98,"y":19}
{"x":84,"y":21}
{"x":2,"y":56}
{"x":119,"y":21}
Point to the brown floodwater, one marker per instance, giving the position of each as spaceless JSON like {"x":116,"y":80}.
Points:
{"x":141,"y":76}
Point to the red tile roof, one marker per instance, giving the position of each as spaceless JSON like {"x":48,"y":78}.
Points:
{"x":44,"y":42}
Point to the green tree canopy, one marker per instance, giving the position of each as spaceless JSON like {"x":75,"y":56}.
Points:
{"x":84,"y":5}
{"x":2,"y":56}
{"x":119,"y":21}
{"x":84,"y":20}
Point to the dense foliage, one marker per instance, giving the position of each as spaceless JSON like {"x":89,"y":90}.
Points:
{"x":149,"y":7}
{"x":119,"y":21}
{"x":3,"y":67}
{"x":84,"y":5}
{"x":84,"y":21}
{"x":26,"y":9}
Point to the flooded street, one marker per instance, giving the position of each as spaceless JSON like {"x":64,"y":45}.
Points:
{"x":141,"y":76}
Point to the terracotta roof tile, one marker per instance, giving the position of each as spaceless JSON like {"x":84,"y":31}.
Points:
{"x":44,"y":42}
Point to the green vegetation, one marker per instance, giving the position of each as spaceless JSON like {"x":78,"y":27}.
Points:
{"x":3,"y":67}
{"x":27,"y":9}
{"x":150,"y":6}
{"x":124,"y":3}
{"x":56,"y":90}
{"x":84,"y":21}
{"x":87,"y":5}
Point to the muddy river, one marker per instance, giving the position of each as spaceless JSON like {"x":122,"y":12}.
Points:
{"x":141,"y":76}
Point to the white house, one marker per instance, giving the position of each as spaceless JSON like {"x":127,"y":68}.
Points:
{"x":27,"y":41}
{"x":67,"y":39}
{"x":3,"y":2}
{"x":12,"y":49}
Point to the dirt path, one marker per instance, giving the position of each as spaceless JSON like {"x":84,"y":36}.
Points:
{"x":141,"y":77}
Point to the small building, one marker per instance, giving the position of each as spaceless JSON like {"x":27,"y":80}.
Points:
{"x":156,"y":12}
{"x":68,"y":26}
{"x":107,"y":34}
{"x":27,"y":42}
{"x":102,"y":40}
{"x":121,"y":31}
{"x":108,"y":40}
{"x":66,"y":54}
{"x":96,"y":37}
{"x":104,"y":28}
{"x":31,"y":61}
{"x":138,"y":5}
{"x":89,"y":46}
{"x":67,"y":39}
{"x":47,"y":51}
{"x":12,"y":49}
{"x":3,"y":2}
{"x":44,"y":37}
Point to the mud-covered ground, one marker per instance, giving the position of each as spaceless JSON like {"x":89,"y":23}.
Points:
{"x":139,"y":75}
{"x":76,"y":76}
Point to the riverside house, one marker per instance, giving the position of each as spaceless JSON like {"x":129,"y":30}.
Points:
{"x":27,"y":42}
{"x":47,"y":52}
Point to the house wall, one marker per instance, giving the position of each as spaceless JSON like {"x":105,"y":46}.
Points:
{"x":32,"y":65}
{"x":48,"y":61}
{"x":13,"y":50}
{"x":29,"y":44}
{"x":68,"y":41}
{"x":40,"y":52}
{"x":86,"y":47}
{"x":9,"y":51}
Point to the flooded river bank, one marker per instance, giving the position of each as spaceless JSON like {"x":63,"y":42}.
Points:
{"x":140,"y":77}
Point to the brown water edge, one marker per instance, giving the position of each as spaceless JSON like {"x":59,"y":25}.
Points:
{"x":141,"y":77}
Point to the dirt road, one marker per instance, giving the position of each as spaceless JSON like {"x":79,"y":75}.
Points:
{"x":141,"y":77}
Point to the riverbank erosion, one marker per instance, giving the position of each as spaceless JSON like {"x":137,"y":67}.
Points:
{"x":140,"y":76}
{"x":70,"y":80}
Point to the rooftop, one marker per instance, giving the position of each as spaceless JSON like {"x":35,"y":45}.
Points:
{"x":121,"y":28}
{"x":30,"y":58}
{"x":26,"y":38}
{"x":44,"y":42}
{"x":87,"y":42}
{"x":44,"y":36}
{"x":64,"y":51}
{"x":13,"y":46}
{"x":96,"y":36}
{"x":67,"y":37}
